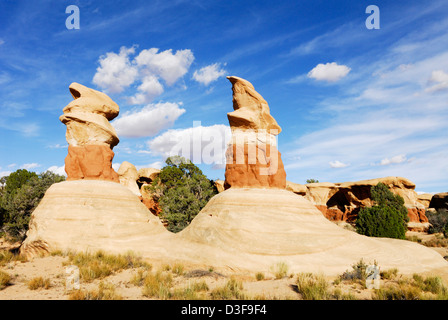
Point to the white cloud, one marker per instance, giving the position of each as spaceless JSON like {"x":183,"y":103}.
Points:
{"x":338,"y":164}
{"x":200,"y":144}
{"x":166,"y":65}
{"x":394,"y":160}
{"x":208,"y":74}
{"x":28,"y":166}
{"x":148,"y":121}
{"x":148,"y":90}
{"x":5,"y":173}
{"x":116,"y":72}
{"x":58,"y":170}
{"x":330,"y":72}
{"x":440,"y":80}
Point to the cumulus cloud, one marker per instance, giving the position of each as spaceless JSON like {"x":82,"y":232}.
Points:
{"x":116,"y":72}
{"x":439,"y":79}
{"x":200,"y":144}
{"x":394,"y":160}
{"x":330,"y":72}
{"x":338,"y":164}
{"x":168,"y":66}
{"x":119,"y":71}
{"x":58,"y":170}
{"x":208,"y":74}
{"x":148,"y":90}
{"x":149,"y":120}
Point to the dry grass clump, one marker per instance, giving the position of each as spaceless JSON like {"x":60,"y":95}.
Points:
{"x":5,"y":280}
{"x":231,"y":290}
{"x":416,"y":287}
{"x":280,"y":270}
{"x":100,"y":264}
{"x":105,"y":291}
{"x":39,"y":283}
{"x":7,"y":257}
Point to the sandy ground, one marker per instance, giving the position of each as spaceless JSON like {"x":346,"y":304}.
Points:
{"x":54,"y":268}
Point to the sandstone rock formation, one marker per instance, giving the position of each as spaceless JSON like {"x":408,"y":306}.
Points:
{"x":219,"y":184}
{"x":252,"y":158}
{"x":439,"y":201}
{"x":128,"y":176}
{"x":248,"y":228}
{"x":425,"y":199}
{"x":342,"y":201}
{"x":90,"y":215}
{"x":90,"y":136}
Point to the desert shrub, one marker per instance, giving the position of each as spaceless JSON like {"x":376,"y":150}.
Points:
{"x":312,"y":287}
{"x":5,"y":280}
{"x":105,"y":291}
{"x":280,"y":270}
{"x":387,"y":218}
{"x":438,"y":221}
{"x":101,"y":264}
{"x":312,"y":181}
{"x":181,"y":190}
{"x":38,"y":283}
{"x":231,"y":290}
{"x":20,"y":195}
{"x":259,"y":276}
{"x":157,"y":285}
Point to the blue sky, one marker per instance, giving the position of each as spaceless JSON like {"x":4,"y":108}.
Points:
{"x":353,"y":103}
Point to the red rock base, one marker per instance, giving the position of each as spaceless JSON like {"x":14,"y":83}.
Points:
{"x":252,"y":166}
{"x":91,"y":162}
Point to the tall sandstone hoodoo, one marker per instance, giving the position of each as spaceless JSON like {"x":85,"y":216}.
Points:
{"x":252,"y":158}
{"x":90,"y":136}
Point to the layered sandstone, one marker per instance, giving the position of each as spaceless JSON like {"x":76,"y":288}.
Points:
{"x":90,"y":215}
{"x":128,"y":175}
{"x":252,"y":157}
{"x":89,"y":134}
{"x":342,"y":201}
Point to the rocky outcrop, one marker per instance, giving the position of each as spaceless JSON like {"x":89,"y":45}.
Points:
{"x":89,"y":134}
{"x":90,"y":214}
{"x":252,"y":157}
{"x":128,"y":177}
{"x":342,"y":201}
{"x":439,"y":201}
{"x":425,"y":199}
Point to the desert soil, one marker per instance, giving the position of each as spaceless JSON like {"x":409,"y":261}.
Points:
{"x":54,"y":268}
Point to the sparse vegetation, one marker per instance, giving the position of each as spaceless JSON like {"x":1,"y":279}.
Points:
{"x":231,"y":290}
{"x":280,"y":270}
{"x":100,"y":264}
{"x":5,"y":279}
{"x":259,"y":276}
{"x":105,"y":291}
{"x":312,"y":181}
{"x":39,"y":283}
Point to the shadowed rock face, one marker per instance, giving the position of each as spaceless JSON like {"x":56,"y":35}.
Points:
{"x":90,"y":136}
{"x":252,"y":157}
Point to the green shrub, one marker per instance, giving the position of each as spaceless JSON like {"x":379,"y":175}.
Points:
{"x":181,"y":190}
{"x":387,"y":218}
{"x":438,"y":221}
